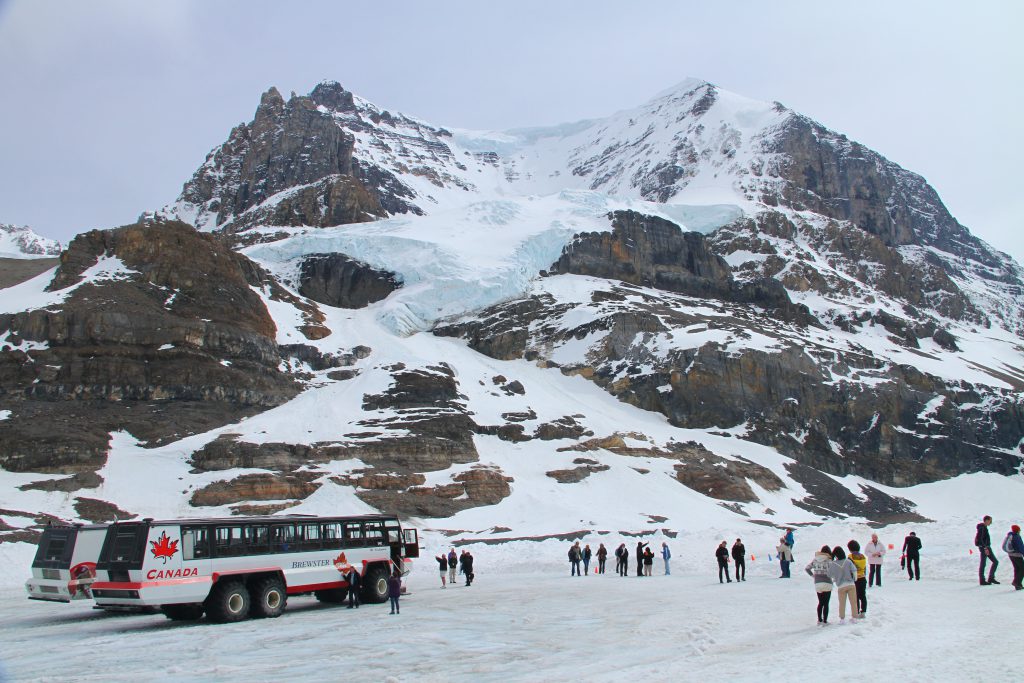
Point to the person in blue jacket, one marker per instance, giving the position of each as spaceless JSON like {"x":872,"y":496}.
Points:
{"x":666,"y":555}
{"x":1014,"y":547}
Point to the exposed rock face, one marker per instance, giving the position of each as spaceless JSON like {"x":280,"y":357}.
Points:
{"x":171,"y":340}
{"x":653,"y":252}
{"x":337,"y":280}
{"x":295,"y":153}
{"x":25,"y":244}
{"x":259,"y":487}
{"x":476,"y":487}
{"x":854,"y":413}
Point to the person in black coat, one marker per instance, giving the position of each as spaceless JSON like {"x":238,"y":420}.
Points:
{"x":442,"y":562}
{"x":912,"y":556}
{"x":354,"y":583}
{"x":467,"y":568}
{"x":640,"y":558}
{"x":602,"y":555}
{"x":984,"y":543}
{"x":739,"y":557}
{"x":723,"y":562}
{"x":624,"y":561}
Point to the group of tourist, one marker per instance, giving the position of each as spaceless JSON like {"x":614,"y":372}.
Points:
{"x":450,"y":562}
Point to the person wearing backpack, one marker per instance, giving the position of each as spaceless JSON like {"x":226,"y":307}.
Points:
{"x":984,"y":544}
{"x":1014,"y":547}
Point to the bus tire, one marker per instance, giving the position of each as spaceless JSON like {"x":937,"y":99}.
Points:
{"x":229,"y":601}
{"x":268,"y":597}
{"x":334,"y":596}
{"x":375,"y":585}
{"x":189,"y":612}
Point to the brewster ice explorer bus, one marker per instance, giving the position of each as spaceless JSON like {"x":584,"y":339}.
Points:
{"x":234,"y":568}
{"x":65,"y":563}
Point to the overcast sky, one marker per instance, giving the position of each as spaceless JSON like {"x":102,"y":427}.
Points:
{"x":109,"y":106}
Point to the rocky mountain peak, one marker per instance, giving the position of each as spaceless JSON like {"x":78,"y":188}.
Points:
{"x":23,"y":242}
{"x":330,"y":94}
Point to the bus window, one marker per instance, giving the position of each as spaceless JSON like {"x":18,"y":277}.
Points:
{"x":374,"y":531}
{"x":230,"y":541}
{"x":195,"y":543}
{"x":354,"y":535}
{"x":311,"y":537}
{"x":331,"y":534}
{"x":259,"y":540}
{"x":282,"y":538}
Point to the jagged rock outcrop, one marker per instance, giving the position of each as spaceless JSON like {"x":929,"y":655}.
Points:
{"x":295,"y":154}
{"x":159,"y":333}
{"x":337,"y":280}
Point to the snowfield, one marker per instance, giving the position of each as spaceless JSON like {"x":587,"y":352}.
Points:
{"x":525,"y":619}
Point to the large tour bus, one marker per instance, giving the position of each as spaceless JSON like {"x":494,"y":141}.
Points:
{"x":233,"y":568}
{"x":65,"y":563}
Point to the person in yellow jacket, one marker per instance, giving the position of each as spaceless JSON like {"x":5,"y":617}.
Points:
{"x":860,"y":562}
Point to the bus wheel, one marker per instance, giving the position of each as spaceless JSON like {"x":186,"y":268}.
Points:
{"x":268,"y":597}
{"x":375,"y":586}
{"x":228,"y":601}
{"x":189,"y":612}
{"x":332,"y":595}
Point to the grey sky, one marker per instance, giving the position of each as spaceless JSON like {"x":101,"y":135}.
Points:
{"x":109,"y":106}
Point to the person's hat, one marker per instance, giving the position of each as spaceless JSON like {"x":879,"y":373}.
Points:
{"x":1015,"y":529}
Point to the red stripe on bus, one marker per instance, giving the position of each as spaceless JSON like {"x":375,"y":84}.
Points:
{"x":137,"y":585}
{"x":309,"y":587}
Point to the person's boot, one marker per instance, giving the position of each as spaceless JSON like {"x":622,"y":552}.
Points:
{"x":992,"y":580}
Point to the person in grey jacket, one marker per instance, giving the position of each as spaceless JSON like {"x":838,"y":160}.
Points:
{"x":821,"y":569}
{"x":845,"y":576}
{"x":785,"y":557}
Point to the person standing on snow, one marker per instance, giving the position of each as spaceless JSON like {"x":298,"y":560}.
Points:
{"x":640,"y":558}
{"x":618,"y":558}
{"x":453,"y":562}
{"x":648,"y":561}
{"x":467,"y":566}
{"x":912,"y":554}
{"x":876,"y":553}
{"x":785,"y":557}
{"x":625,"y":560}
{"x":845,"y":576}
{"x":395,"y":590}
{"x":789,"y":538}
{"x":821,"y":569}
{"x":1014,"y":547}
{"x":602,"y":555}
{"x":722,"y":553}
{"x":739,"y":558}
{"x":860,"y":562}
{"x":586,"y":559}
{"x":442,"y":562}
{"x":666,"y":555}
{"x":354,"y":582}
{"x":574,"y":558}
{"x":984,"y":543}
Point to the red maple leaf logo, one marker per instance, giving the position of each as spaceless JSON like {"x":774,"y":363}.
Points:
{"x":341,"y":564}
{"x":164,"y":547}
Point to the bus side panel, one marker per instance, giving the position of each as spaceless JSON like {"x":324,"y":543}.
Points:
{"x":166,"y":576}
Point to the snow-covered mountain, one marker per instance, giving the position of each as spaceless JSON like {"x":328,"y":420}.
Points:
{"x":23,"y":243}
{"x":708,"y":308}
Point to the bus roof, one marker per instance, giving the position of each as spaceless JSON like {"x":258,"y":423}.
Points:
{"x":262,"y":519}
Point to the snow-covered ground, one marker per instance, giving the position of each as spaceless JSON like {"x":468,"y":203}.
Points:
{"x":526,"y":619}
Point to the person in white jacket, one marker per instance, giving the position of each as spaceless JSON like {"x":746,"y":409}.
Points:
{"x":876,"y":553}
{"x":821,"y":569}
